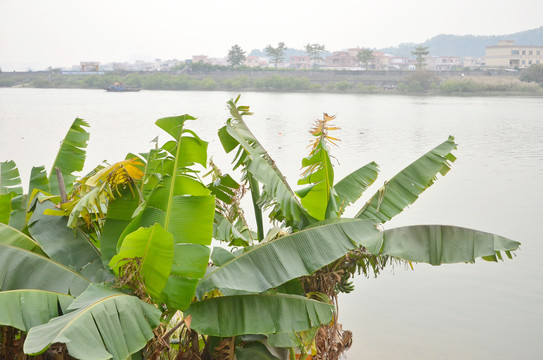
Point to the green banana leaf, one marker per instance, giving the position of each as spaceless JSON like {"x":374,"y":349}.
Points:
{"x":440,"y":244}
{"x":18,"y":216}
{"x":13,"y":237}
{"x":221,"y":256}
{"x":10,"y":181}
{"x":11,"y":195}
{"x":186,"y":271}
{"x":24,"y":269}
{"x":69,"y":247}
{"x":276,"y":191}
{"x":237,"y":234}
{"x":70,"y":157}
{"x":103,"y":323}
{"x":183,"y":206}
{"x":24,"y":309}
{"x":299,"y":340}
{"x":154,"y":246}
{"x":38,"y":180}
{"x":152,"y":170}
{"x":224,"y":187}
{"x":273,"y":263}
{"x":318,"y":197}
{"x":5,"y":208}
{"x":253,"y":350}
{"x":119,"y":215}
{"x":406,"y":186}
{"x":352,"y":186}
{"x":257,"y":314}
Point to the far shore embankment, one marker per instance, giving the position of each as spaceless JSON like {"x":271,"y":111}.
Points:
{"x":483,"y":82}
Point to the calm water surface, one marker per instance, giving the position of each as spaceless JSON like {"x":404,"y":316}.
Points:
{"x":481,"y":311}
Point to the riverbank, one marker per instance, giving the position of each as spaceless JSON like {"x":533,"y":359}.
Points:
{"x":371,"y":82}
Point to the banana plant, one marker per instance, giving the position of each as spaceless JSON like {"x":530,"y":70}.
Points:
{"x":315,"y":241}
{"x":69,"y":160}
{"x":58,"y":265}
{"x":138,"y":232}
{"x":123,"y":253}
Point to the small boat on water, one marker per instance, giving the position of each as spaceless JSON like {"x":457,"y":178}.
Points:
{"x":119,"y":87}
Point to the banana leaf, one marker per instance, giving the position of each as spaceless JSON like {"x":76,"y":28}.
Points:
{"x":5,"y":208}
{"x":154,"y":246}
{"x":183,"y":206}
{"x":186,"y":271}
{"x":440,"y":244}
{"x":38,"y":180}
{"x":257,"y":314}
{"x":69,"y":247}
{"x":221,"y":256}
{"x":10,"y":181}
{"x":276,"y":192}
{"x":11,"y":196}
{"x":254,"y":350}
{"x":24,"y":309}
{"x":13,"y":237}
{"x":319,"y":173}
{"x":352,"y":186}
{"x":406,"y":186}
{"x":70,"y":157}
{"x":119,"y":215}
{"x":224,"y":187}
{"x":273,"y":263}
{"x":18,"y":216}
{"x":24,"y":269}
{"x":103,"y":323}
{"x":237,"y":234}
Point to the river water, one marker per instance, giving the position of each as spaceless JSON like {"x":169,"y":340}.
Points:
{"x":463,"y":311}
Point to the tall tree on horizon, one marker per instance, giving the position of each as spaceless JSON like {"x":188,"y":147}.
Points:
{"x":276,"y":54}
{"x":236,"y":55}
{"x":420,"y":52}
{"x":364,"y":56}
{"x":313,"y":51}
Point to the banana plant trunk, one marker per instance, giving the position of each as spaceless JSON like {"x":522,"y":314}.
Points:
{"x":11,"y":347}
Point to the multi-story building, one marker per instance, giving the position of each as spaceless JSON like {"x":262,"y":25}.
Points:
{"x":402,"y":64}
{"x":341,"y":59}
{"x":256,"y":61}
{"x":507,"y":54}
{"x":300,"y":62}
{"x":200,"y":58}
{"x":472,"y":62}
{"x":381,"y":60}
{"x":442,"y":63}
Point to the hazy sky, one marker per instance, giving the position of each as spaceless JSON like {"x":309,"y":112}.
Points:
{"x":40,"y":33}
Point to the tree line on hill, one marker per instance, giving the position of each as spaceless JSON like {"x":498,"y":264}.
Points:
{"x":440,"y":45}
{"x":467,"y":45}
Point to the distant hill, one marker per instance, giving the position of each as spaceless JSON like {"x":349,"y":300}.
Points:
{"x":443,"y":45}
{"x":467,"y":45}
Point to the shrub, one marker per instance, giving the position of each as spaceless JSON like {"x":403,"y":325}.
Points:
{"x":420,"y":81}
{"x":533,"y":74}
